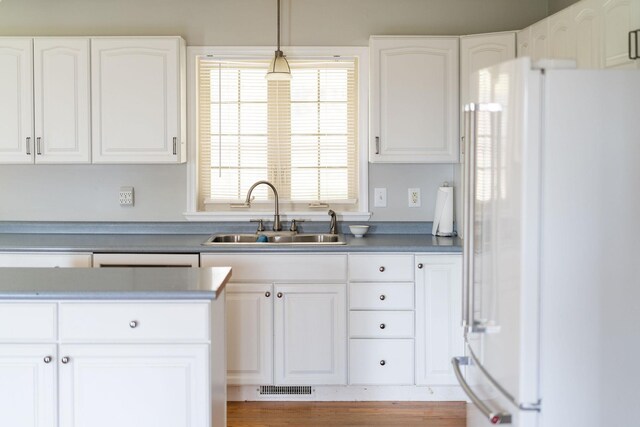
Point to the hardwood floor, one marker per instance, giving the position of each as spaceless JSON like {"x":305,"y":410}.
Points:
{"x":276,"y":414}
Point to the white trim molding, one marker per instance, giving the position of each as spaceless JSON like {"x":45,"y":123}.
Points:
{"x":362,"y":53}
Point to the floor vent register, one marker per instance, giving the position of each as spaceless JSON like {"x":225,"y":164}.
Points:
{"x":282,"y":390}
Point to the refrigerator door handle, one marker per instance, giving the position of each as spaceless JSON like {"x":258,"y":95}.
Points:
{"x":500,"y":417}
{"x":470,"y":167}
{"x":473,"y":360}
{"x":465,"y":223}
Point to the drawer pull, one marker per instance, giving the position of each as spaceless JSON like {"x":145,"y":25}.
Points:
{"x":65,"y":360}
{"x":279,"y":294}
{"x":420,"y":265}
{"x":382,"y":326}
{"x":381,"y":269}
{"x":48,"y":359}
{"x":382,"y":297}
{"x":133,"y":324}
{"x":267,"y":294}
{"x":382,"y":362}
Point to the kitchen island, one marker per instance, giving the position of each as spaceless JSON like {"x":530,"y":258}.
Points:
{"x":105,"y":347}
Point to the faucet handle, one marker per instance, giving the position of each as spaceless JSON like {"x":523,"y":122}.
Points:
{"x":294,"y":224}
{"x":260,"y":224}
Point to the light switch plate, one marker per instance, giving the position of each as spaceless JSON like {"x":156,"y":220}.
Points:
{"x":380,"y":197}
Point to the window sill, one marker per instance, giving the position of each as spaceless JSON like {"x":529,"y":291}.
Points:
{"x":268,"y":215}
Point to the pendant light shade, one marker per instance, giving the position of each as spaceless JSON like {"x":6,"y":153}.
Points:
{"x":279,"y":67}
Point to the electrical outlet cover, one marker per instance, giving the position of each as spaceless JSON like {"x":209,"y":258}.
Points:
{"x":414,"y":198}
{"x":126,"y":196}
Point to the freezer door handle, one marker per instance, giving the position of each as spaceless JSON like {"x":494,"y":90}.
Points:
{"x":493,"y":417}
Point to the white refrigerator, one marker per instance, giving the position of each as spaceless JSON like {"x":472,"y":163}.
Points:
{"x":552,"y":247}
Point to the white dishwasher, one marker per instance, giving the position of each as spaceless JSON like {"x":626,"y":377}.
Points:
{"x":145,"y":260}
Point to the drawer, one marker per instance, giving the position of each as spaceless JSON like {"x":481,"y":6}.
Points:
{"x":27,"y":322}
{"x":134,"y":322}
{"x":381,"y":296}
{"x":381,"y":268}
{"x":381,"y":324}
{"x":282,"y":268}
{"x":387,"y":362}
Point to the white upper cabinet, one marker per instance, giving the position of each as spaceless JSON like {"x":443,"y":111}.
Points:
{"x":48,"y":77}
{"x":414,"y":99}
{"x":16,"y":100}
{"x":562,"y":38}
{"x":481,"y":51}
{"x":524,"y":42}
{"x":61,"y":86}
{"x":539,"y":40}
{"x":138,"y":104}
{"x":587,"y":33}
{"x":618,"y":18}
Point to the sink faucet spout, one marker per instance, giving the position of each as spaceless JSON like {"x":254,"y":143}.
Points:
{"x":333,"y":226}
{"x":277,"y":226}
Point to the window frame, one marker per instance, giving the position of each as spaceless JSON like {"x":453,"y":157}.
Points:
{"x":266,"y":211}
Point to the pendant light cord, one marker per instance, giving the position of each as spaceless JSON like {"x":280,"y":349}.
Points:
{"x":278,"y":25}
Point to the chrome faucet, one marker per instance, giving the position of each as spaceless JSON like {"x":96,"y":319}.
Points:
{"x":276,"y":216}
{"x":333,"y":226}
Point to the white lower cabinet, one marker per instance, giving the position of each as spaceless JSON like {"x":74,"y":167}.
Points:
{"x":310,"y":334}
{"x":286,"y":318}
{"x":439,"y":334}
{"x":128,"y":375}
{"x":150,"y":385}
{"x":381,"y":319}
{"x":381,"y":362}
{"x":249,"y":333}
{"x":28,"y":393}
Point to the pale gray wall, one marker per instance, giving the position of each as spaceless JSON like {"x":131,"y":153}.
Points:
{"x":68,"y":193}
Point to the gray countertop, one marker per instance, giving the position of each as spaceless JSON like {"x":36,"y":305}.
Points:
{"x":113,"y":283}
{"x":192,"y":243}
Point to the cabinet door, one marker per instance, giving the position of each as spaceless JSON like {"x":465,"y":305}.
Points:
{"x":524,"y":42}
{"x":48,"y":260}
{"x":249,"y":333}
{"x":136,"y":100}
{"x":61,"y":87}
{"x":439,"y":334}
{"x":539,"y":40}
{"x":28,"y":385}
{"x":414,"y":99}
{"x":562,"y":38}
{"x":310,"y":335}
{"x":134,"y":385}
{"x":588,"y":33}
{"x":16,"y":100}
{"x":481,"y":51}
{"x":618,"y":18}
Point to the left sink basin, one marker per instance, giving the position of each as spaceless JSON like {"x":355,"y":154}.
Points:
{"x":295,"y":239}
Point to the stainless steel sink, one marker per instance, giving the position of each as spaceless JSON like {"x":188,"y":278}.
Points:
{"x":275,"y":239}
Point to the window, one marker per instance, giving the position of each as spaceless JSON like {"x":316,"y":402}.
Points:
{"x":301,"y":135}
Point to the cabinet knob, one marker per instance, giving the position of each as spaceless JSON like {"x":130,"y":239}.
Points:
{"x":382,"y":297}
{"x":267,"y":294}
{"x":420,"y":265}
{"x":382,"y":326}
{"x":133,"y":324}
{"x":48,"y":359}
{"x":381,"y":269}
{"x":65,"y":360}
{"x":382,"y":363}
{"x":279,"y":294}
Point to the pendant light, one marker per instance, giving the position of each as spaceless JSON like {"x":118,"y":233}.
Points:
{"x":279,"y":67}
